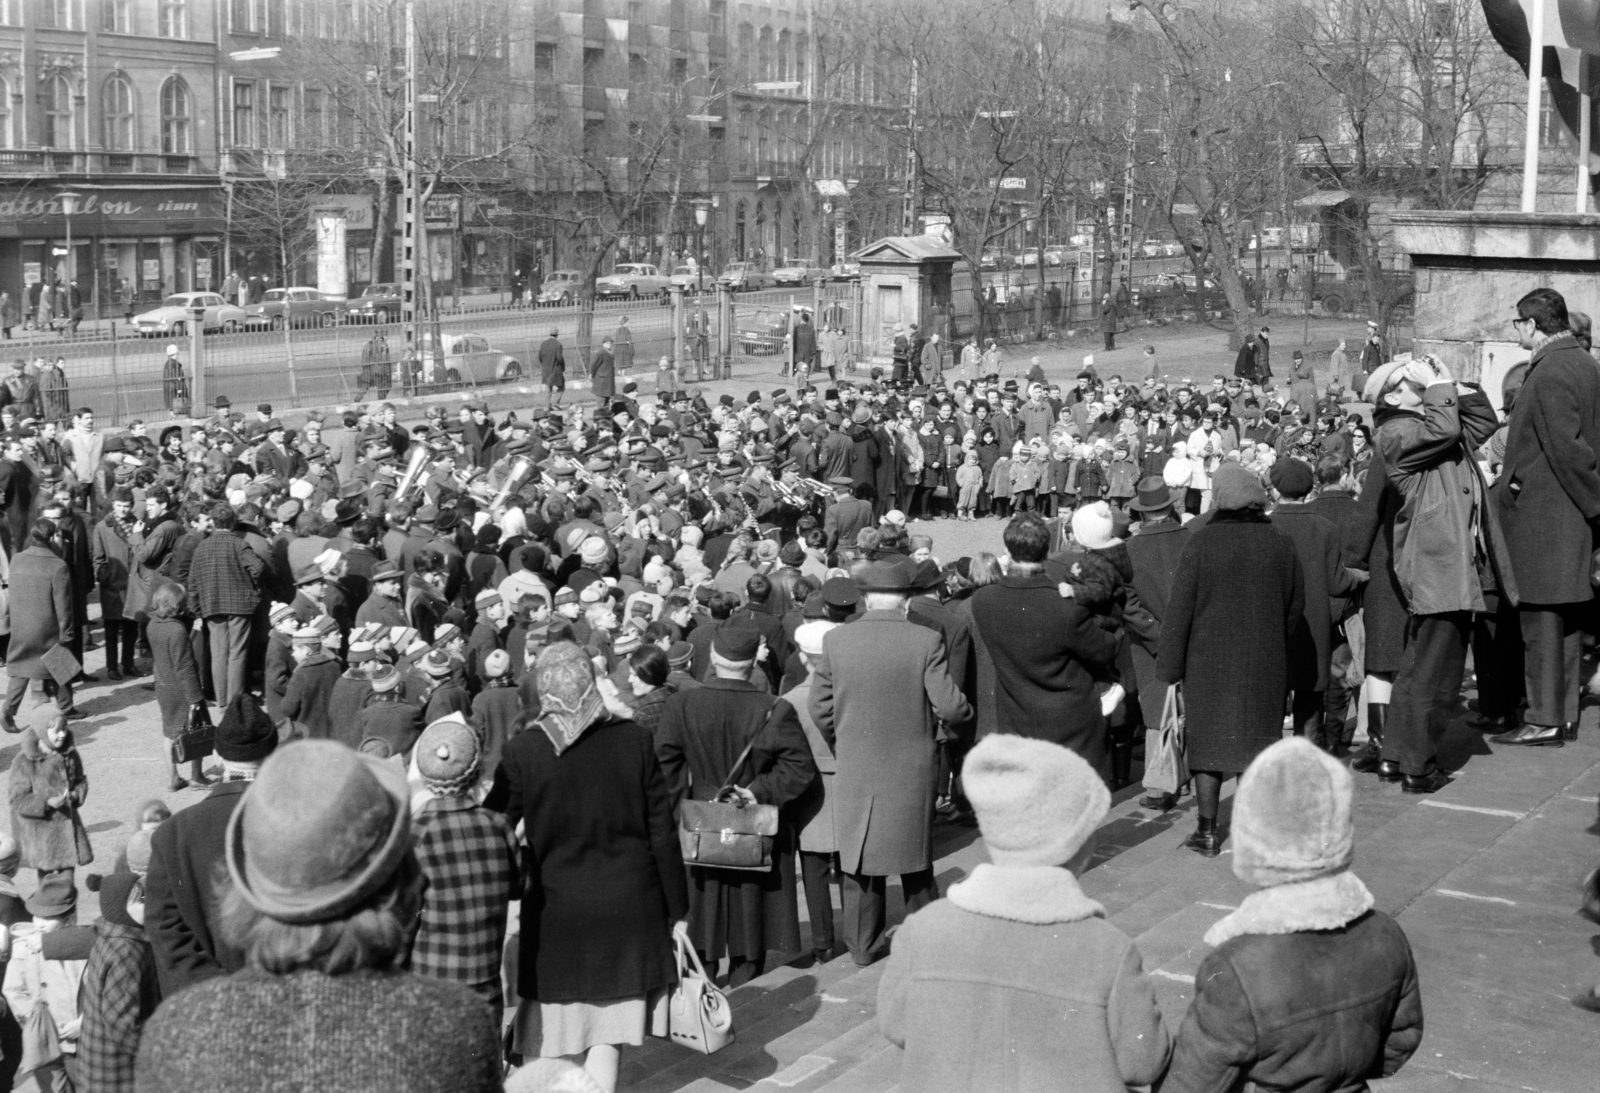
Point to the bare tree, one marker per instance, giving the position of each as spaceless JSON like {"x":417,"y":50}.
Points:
{"x":275,"y":214}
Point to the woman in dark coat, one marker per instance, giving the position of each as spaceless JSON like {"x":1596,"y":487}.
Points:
{"x":1369,"y":546}
{"x":607,"y":884}
{"x":177,"y":676}
{"x":1236,"y":596}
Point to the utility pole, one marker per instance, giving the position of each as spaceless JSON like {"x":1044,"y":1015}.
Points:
{"x":1125,"y":243}
{"x":410,"y":313}
{"x":908,"y":205}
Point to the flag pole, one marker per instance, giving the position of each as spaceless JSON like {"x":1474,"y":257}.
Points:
{"x":1585,"y":136}
{"x":1530,"y":153}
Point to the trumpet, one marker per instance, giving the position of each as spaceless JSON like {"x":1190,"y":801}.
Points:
{"x":514,"y":475}
{"x":414,"y":464}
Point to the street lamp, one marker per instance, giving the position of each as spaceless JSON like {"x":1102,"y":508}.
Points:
{"x":827,"y":215}
{"x":700,"y":211}
{"x":69,"y":205}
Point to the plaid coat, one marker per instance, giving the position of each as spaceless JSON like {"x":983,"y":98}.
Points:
{"x":119,"y":994}
{"x":469,"y":856}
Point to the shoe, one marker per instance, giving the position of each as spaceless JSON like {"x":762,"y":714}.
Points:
{"x":1205,"y":841}
{"x":114,"y":674}
{"x":131,"y":672}
{"x":75,"y":715}
{"x":1429,"y":781}
{"x":1161,"y":802}
{"x":176,"y":784}
{"x":1569,"y":730}
{"x":1371,"y":756}
{"x":1389,"y":771}
{"x":1591,"y":897}
{"x":1485,"y":723}
{"x":1589,"y":1001}
{"x":85,"y":677}
{"x":1532,"y":736}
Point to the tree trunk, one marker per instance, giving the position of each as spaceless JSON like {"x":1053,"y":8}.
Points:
{"x":1228,"y":278}
{"x":382,"y":260}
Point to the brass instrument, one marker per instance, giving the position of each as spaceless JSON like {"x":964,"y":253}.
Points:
{"x":514,"y":475}
{"x":414,"y":464}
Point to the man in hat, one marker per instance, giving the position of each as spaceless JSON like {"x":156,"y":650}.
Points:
{"x":469,"y":857}
{"x":813,"y":812}
{"x":877,"y":696}
{"x":225,"y":590}
{"x":384,"y":604}
{"x":603,"y":372}
{"x":700,"y":740}
{"x":182,"y":903}
{"x":552,"y":369}
{"x":1154,"y":548}
{"x":848,"y":514}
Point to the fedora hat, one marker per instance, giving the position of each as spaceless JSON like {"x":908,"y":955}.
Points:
{"x":320,"y":830}
{"x":1153,"y":494}
{"x":884,"y":577}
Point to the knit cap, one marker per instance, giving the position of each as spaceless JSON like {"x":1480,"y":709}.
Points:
{"x":681,"y":655}
{"x":436,"y":664}
{"x":1292,"y":816}
{"x":496,"y":664}
{"x":1037,"y":802}
{"x":593,"y":551}
{"x":308,"y":637}
{"x":1233,"y":487}
{"x":486,"y":599}
{"x":445,"y":632}
{"x":361,"y":652}
{"x":1093,"y":527}
{"x":448,"y":756}
{"x":138,"y":852}
{"x":280,"y":613}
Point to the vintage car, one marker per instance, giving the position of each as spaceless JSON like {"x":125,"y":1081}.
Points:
{"x":177,"y":312}
{"x":632,"y":279}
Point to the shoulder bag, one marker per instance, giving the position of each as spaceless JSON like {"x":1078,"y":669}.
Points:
{"x":726,"y":832}
{"x":698,"y":1014}
{"x":1167,"y":768}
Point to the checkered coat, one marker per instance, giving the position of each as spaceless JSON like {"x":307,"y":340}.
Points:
{"x":469,"y":856}
{"x":118,"y":994}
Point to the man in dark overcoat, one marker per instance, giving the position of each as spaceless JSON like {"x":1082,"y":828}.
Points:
{"x":1154,"y":549}
{"x":552,"y":368}
{"x":1046,"y":650}
{"x":1548,"y":501}
{"x":700,"y":739}
{"x":603,"y":371}
{"x":40,"y":616}
{"x":1316,"y":544}
{"x":1336,"y":502}
{"x":17,"y":488}
{"x":848,"y":514}
{"x":877,"y":695}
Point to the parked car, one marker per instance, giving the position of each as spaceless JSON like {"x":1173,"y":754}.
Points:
{"x":692,"y":278}
{"x":296,"y":306}
{"x":745,"y":277}
{"x":1338,"y":297}
{"x":560,"y":288}
{"x":632,"y":279}
{"x":468,"y":359}
{"x":177,"y":312}
{"x":843,"y":271}
{"x":1055,"y":255}
{"x":1172,"y":249}
{"x":801,"y":273}
{"x":765,"y":330}
{"x":378,"y":303}
{"x":1150,"y":248}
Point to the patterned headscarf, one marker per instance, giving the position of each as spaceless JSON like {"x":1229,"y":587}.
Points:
{"x":568,"y":698}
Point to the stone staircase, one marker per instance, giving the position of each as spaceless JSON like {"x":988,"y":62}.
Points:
{"x":813,"y":1027}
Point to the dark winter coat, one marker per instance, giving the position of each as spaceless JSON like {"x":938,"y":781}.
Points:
{"x":177,"y":675}
{"x":1154,"y":551}
{"x":351,"y":693}
{"x":49,"y":837}
{"x":1046,"y":651}
{"x":279,"y":670}
{"x":877,"y":696}
{"x":310,"y":692}
{"x":1316,"y":544}
{"x":1249,"y":1020}
{"x":1369,"y":546}
{"x":112,"y":556}
{"x":497,"y":715}
{"x":1236,"y":597}
{"x":700,"y":734}
{"x":864,"y":454}
{"x":1548,"y":492}
{"x":182,"y":904}
{"x":398,"y":723}
{"x":39,"y":611}
{"x":1338,"y":506}
{"x":603,"y":374}
{"x":606,"y":875}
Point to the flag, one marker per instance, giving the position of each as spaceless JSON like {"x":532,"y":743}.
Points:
{"x":1571,"y":42}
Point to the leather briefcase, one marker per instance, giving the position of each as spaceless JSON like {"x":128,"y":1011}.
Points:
{"x":727,"y":832}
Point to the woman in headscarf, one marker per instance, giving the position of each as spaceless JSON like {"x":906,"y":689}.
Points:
{"x":607,"y":888}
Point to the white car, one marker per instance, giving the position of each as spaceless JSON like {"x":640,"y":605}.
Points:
{"x":634,"y":279}
{"x":468,"y":359}
{"x":1150,"y":249}
{"x":691,"y":278}
{"x":177,"y":312}
{"x":800,"y":274}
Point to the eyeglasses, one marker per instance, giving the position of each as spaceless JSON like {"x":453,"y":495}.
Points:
{"x":1520,"y":320}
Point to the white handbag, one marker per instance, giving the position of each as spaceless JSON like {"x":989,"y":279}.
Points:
{"x":698,"y":1014}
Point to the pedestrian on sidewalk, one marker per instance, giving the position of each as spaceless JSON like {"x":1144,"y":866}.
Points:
{"x":1019,"y":943}
{"x":46,"y":788}
{"x":1309,"y":942}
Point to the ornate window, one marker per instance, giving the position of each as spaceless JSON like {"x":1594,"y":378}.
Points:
{"x":58,"y":113}
{"x":175,"y":118}
{"x":116,"y":105}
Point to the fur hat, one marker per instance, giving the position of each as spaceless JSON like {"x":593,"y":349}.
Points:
{"x":1093,"y":527}
{"x":320,"y":831}
{"x":1037,"y":802}
{"x":1291,"y":816}
{"x":593,"y":551}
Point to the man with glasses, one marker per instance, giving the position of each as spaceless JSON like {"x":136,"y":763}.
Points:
{"x":1548,"y":499}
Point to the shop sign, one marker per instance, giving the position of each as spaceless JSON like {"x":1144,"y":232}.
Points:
{"x":442,"y":212}
{"x":30,"y":212}
{"x":355,"y":208}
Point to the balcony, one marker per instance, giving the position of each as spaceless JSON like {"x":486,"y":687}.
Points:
{"x":40,"y":161}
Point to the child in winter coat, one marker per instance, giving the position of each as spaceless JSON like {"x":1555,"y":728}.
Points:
{"x":47,"y":788}
{"x":280,"y":658}
{"x":1024,"y":477}
{"x":1122,"y":478}
{"x":1090,"y":479}
{"x":1020,"y":943}
{"x":120,"y":991}
{"x":969,"y":481}
{"x":43,"y":984}
{"x":1000,"y":485}
{"x":1311,"y":934}
{"x":311,"y":687}
{"x":1063,"y":496}
{"x":496,"y":711}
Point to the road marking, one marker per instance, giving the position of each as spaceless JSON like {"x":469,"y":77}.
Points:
{"x":1219,"y":906}
{"x":798,"y":1071}
{"x":1453,"y":894}
{"x":1506,"y":812}
{"x":1176,"y":977}
{"x":1585,"y":800}
{"x":830,"y":998}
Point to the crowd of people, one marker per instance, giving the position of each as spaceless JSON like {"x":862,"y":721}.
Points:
{"x":467,"y":673}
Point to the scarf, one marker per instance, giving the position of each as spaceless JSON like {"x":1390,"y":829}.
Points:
{"x":569,"y":701}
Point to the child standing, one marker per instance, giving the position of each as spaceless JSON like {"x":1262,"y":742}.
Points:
{"x":47,"y":788}
{"x":969,"y":481}
{"x":1091,"y":477}
{"x":1024,"y":477}
{"x":120,"y":991}
{"x":1123,"y":477}
{"x":1000,"y":485}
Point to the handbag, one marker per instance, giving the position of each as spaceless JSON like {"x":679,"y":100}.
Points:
{"x":698,"y":1014}
{"x":726,"y":832}
{"x":198,"y":738}
{"x":1167,"y":769}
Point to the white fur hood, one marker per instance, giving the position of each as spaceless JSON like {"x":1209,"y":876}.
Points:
{"x":1038,"y":895}
{"x":1326,"y":903}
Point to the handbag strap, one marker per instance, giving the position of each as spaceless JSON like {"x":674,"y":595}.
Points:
{"x":733,"y":771}
{"x":688,"y":956}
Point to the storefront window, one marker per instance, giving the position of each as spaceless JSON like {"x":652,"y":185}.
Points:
{"x":175,"y":118}
{"x":118,"y":114}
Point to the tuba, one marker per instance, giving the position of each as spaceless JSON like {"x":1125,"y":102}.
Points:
{"x":418,"y":459}
{"x":514,"y":475}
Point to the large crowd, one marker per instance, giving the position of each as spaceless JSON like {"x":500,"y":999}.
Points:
{"x":471,"y":665}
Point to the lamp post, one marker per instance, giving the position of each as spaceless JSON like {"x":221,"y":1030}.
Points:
{"x":827,"y":216}
{"x":69,"y":205}
{"x":700,"y":211}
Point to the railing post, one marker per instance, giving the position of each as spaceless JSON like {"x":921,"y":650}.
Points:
{"x":197,"y":400}
{"x":678,"y":318}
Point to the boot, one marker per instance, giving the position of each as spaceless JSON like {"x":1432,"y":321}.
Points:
{"x":113,"y":673}
{"x":1121,"y":765}
{"x":1371,"y":756}
{"x":1569,"y":730}
{"x":1205,"y":841}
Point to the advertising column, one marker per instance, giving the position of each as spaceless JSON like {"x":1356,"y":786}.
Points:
{"x":333,"y":275}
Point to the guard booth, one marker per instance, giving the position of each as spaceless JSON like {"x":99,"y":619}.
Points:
{"x":905,"y":279}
